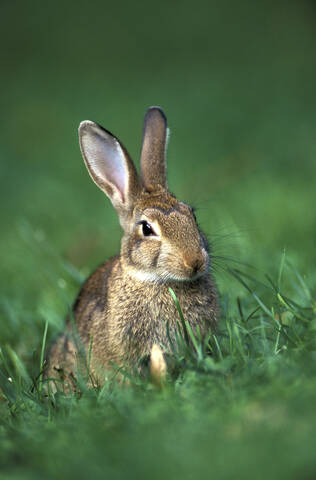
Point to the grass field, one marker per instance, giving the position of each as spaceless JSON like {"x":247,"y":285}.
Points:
{"x":237,"y":82}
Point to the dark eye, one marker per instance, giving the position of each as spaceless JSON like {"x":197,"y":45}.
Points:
{"x":147,"y":229}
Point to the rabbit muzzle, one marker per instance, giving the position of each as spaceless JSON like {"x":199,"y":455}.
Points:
{"x":195,"y":264}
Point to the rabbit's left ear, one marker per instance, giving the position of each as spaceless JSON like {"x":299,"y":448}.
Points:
{"x":109,"y":165}
{"x":153,"y":155}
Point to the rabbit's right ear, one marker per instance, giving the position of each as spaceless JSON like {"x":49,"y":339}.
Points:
{"x":153,"y":154}
{"x":109,"y":165}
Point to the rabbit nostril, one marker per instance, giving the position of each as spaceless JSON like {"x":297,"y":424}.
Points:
{"x":193,"y":263}
{"x":197,"y":266}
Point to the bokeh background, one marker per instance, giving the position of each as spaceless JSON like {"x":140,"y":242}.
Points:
{"x":237,"y":83}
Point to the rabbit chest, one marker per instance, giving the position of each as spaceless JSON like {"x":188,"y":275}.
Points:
{"x":129,"y":316}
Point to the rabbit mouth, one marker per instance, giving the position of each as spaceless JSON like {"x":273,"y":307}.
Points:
{"x":183,"y":276}
{"x":165,"y":277}
{"x":189,"y":277}
{"x":189,"y":268}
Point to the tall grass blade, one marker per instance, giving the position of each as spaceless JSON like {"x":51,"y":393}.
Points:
{"x":282,"y":263}
{"x":42,"y":356}
{"x":183,"y":323}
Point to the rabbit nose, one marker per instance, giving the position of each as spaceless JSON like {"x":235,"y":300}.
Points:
{"x":193,"y":262}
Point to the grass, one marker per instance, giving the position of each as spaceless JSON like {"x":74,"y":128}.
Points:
{"x":237,"y":82}
{"x":245,"y":397}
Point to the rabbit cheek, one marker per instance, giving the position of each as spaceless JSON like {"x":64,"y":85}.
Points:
{"x":145,"y":254}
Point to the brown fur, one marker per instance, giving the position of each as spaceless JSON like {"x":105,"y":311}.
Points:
{"x":123,"y":308}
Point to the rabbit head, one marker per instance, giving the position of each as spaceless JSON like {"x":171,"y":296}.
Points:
{"x":161,"y":240}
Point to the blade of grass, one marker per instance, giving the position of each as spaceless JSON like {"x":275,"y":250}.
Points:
{"x":42,"y":356}
{"x":194,"y":342}
{"x":175,"y":299}
{"x":218,"y":347}
{"x":282,"y":263}
{"x":18,"y":365}
{"x":290,"y":309}
{"x":305,"y":288}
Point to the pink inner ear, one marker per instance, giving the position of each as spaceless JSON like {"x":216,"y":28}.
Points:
{"x":106,"y":160}
{"x":116,"y":176}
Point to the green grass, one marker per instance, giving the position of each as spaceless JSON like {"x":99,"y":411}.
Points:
{"x":245,"y":397}
{"x":237,"y":82}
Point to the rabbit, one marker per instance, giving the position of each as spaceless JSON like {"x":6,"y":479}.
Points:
{"x":122,"y":310}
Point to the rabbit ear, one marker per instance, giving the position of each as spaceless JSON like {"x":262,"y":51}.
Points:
{"x":153,"y":155}
{"x":109,"y":165}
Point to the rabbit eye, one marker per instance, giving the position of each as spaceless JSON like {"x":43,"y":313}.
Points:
{"x":147,"y":229}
